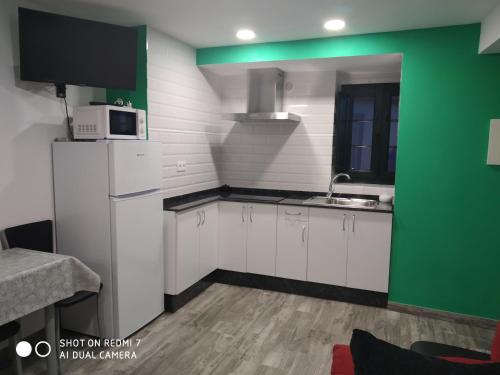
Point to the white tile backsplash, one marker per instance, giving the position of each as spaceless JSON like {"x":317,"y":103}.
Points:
{"x":185,"y":106}
{"x":364,"y":189}
{"x":184,"y":114}
{"x":281,"y":156}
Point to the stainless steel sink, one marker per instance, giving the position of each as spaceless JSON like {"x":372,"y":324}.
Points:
{"x":341,"y":202}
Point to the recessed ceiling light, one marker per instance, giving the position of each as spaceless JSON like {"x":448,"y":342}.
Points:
{"x":245,"y":34}
{"x":334,"y":25}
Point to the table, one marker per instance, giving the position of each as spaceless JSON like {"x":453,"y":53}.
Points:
{"x":31,"y":280}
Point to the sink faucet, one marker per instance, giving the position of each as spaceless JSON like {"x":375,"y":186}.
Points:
{"x":331,"y":188}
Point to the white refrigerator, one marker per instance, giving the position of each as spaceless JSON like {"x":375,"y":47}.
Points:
{"x":108,"y":214}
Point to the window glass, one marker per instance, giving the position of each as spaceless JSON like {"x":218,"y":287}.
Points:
{"x":361,"y":158}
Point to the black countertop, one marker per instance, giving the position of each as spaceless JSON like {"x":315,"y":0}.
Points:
{"x":290,"y":198}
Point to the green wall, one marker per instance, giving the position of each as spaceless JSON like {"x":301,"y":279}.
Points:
{"x":446,"y":242}
{"x":139,"y":97}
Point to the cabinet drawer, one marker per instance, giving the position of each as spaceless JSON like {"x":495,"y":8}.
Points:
{"x":294,"y":212}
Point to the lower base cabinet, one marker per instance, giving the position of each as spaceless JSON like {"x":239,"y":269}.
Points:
{"x":248,"y":237}
{"x":339,"y":247}
{"x":191,"y":242}
{"x":209,"y":239}
{"x":187,"y":250}
{"x":232,"y":238}
{"x":291,"y":254}
{"x":261,"y":239}
{"x":369,"y":251}
{"x":349,"y":248}
{"x":327,"y":253}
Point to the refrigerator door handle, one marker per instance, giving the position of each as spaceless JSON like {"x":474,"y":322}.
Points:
{"x":139,"y":194}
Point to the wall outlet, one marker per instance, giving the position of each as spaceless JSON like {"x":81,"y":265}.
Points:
{"x":181,"y":166}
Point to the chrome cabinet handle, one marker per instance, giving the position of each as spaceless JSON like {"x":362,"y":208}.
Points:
{"x":251,"y":214}
{"x":353,"y":223}
{"x":203,"y":222}
{"x":199,"y":218}
{"x":293,"y":213}
{"x":343,"y":224}
{"x":303,"y":233}
{"x":243,"y":214}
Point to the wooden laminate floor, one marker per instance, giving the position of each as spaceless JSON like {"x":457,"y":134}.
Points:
{"x":234,"y":330}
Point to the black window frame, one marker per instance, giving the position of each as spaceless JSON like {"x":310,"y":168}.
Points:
{"x":383,"y":94}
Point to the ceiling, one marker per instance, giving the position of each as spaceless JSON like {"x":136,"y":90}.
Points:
{"x":205,"y":23}
{"x":373,"y":64}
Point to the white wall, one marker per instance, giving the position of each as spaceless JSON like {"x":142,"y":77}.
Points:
{"x":489,"y":42}
{"x":277,"y":156}
{"x":184,"y":113}
{"x":31,"y":117}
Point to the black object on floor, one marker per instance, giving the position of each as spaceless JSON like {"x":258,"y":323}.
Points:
{"x":435,"y":349}
{"x":373,"y":356}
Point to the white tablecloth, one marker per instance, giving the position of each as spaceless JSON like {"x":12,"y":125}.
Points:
{"x":31,"y":280}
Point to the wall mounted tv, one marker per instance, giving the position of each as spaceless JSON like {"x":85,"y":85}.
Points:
{"x":67,"y":50}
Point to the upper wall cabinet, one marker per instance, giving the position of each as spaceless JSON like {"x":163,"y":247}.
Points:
{"x":494,"y":143}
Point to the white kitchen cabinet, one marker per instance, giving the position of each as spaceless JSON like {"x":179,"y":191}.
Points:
{"x":292,"y":233}
{"x":261,"y":238}
{"x":232,"y":238}
{"x":209,"y":239}
{"x":191,"y":245}
{"x":327,"y":252}
{"x":188,"y":249}
{"x":369,"y":250}
{"x":323,"y":245}
{"x":349,"y":248}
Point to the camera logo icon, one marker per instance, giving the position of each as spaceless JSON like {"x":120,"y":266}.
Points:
{"x":42,"y":349}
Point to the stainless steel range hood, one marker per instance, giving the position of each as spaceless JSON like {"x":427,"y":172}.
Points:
{"x":264,"y":99}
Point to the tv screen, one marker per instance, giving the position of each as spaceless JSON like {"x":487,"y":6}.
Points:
{"x":68,"y":50}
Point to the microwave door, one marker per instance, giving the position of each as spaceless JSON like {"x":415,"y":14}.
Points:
{"x":134,"y":167}
{"x":122,"y":124}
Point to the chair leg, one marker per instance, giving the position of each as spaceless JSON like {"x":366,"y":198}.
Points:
{"x":58,"y":332}
{"x":16,"y":360}
{"x":97,"y":316}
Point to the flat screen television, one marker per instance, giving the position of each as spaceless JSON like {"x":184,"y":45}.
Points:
{"x":68,"y":50}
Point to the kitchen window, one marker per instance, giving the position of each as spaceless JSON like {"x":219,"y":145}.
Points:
{"x":366,"y":131}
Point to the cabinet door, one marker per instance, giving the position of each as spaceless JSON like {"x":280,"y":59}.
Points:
{"x":188,"y":249}
{"x":261,"y":239}
{"x":291,"y":254}
{"x":369,"y":250}
{"x":327,"y":251}
{"x":209,"y":239}
{"x":232,"y":236}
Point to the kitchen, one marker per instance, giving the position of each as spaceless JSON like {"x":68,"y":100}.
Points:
{"x":244,"y":206}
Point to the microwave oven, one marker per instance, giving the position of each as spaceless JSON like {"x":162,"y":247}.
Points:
{"x":108,"y":122}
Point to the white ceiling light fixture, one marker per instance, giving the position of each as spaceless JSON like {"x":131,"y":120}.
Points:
{"x":245,"y":34}
{"x":334,"y":25}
